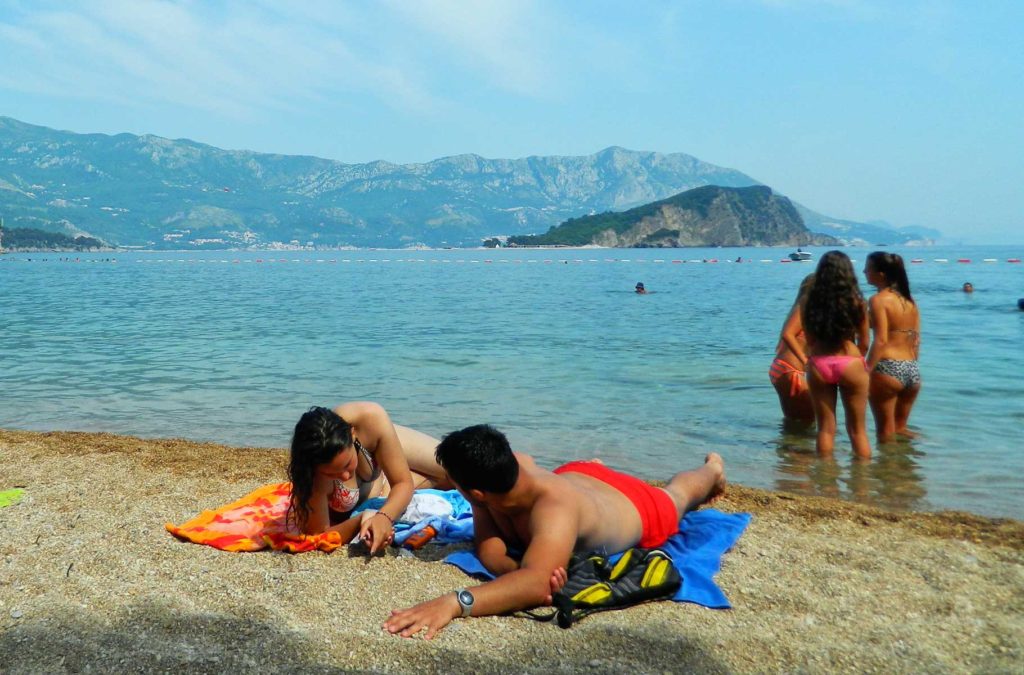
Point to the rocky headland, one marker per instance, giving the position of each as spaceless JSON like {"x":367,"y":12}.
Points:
{"x":704,"y":216}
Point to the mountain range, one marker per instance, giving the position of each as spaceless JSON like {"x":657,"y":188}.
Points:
{"x":152,"y":192}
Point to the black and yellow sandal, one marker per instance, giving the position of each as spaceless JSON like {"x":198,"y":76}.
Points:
{"x":593,"y":585}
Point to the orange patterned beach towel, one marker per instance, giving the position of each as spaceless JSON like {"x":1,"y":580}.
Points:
{"x":253,"y":523}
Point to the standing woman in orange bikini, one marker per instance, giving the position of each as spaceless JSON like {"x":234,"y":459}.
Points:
{"x":895,"y":377}
{"x":787,"y":370}
{"x":836,"y":325}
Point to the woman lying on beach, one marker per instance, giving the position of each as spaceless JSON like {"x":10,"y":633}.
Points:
{"x":836,"y":324}
{"x":896,"y":323}
{"x":342,"y":457}
{"x":787,"y":370}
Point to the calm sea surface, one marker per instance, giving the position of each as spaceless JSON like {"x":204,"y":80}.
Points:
{"x":551,"y":346}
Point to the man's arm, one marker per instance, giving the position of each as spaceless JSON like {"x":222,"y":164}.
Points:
{"x":554,"y":526}
{"x":490,"y":547}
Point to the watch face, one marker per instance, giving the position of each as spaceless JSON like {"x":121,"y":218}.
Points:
{"x":465,"y":598}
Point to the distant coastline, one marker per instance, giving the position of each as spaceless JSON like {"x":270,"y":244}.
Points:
{"x":31,"y":240}
{"x":325,"y":249}
{"x":154,"y":192}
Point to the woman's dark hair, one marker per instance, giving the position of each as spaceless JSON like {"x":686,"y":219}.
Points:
{"x":835,"y":307}
{"x":320,"y":435}
{"x":890,"y":265}
{"x":479,"y":458}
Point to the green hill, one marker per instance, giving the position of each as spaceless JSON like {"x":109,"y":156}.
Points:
{"x":704,"y":216}
{"x":29,"y":239}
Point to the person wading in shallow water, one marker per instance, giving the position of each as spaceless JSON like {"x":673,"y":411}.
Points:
{"x":896,"y":324}
{"x":835,"y":322}
{"x":787,"y":372}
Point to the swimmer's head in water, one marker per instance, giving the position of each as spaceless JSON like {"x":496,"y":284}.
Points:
{"x":640,"y":287}
{"x":968,"y":287}
{"x":321,"y":439}
{"x":479,"y":458}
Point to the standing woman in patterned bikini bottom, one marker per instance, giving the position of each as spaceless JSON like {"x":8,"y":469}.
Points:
{"x":896,"y":323}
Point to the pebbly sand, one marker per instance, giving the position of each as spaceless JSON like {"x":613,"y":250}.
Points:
{"x":90,"y":580}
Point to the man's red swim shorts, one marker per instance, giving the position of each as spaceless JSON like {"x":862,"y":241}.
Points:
{"x":658,"y":515}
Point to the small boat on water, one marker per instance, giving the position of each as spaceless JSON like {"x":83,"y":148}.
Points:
{"x":799,"y":255}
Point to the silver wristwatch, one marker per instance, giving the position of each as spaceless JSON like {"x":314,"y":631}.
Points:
{"x":466,"y":600}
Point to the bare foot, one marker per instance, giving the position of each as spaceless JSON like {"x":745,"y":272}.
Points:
{"x":906,"y":433}
{"x":715,"y":462}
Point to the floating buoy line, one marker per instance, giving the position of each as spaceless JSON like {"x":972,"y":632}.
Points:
{"x":432,"y":261}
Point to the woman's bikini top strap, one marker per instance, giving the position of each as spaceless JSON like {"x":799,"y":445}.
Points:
{"x":370,"y":461}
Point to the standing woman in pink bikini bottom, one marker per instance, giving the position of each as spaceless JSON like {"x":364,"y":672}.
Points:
{"x":835,"y":322}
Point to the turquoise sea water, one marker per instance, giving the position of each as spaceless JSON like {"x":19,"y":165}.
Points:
{"x":551,"y":346}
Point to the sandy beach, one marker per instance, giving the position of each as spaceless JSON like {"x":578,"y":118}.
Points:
{"x":90,"y":580}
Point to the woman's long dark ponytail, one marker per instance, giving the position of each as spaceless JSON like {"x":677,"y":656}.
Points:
{"x":891,"y":265}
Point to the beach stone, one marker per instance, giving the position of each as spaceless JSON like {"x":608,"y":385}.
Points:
{"x":16,"y":614}
{"x":878,"y":614}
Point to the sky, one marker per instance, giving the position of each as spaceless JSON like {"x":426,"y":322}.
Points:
{"x":908,"y":111}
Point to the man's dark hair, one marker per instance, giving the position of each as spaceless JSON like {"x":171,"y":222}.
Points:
{"x":479,"y":458}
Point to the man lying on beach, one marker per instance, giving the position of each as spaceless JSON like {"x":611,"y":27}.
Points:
{"x":581,"y":506}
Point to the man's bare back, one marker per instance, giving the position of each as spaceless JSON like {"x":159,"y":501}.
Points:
{"x":605,"y":518}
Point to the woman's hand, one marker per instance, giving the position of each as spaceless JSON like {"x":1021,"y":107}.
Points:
{"x":376,"y":530}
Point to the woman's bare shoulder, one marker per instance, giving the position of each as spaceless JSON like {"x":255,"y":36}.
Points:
{"x":354,"y":411}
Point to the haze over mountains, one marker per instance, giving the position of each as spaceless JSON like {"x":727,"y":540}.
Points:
{"x":153,"y":192}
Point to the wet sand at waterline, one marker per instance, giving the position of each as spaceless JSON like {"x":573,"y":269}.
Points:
{"x":90,"y":580}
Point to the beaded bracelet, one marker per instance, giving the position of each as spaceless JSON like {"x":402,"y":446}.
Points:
{"x":381,"y":513}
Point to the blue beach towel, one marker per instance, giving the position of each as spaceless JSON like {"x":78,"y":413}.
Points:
{"x":696,"y":551}
{"x":453,"y":529}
